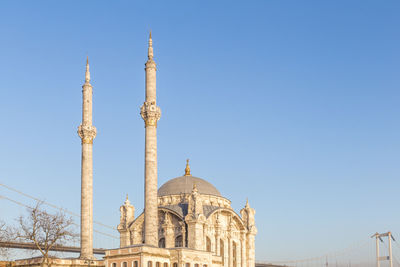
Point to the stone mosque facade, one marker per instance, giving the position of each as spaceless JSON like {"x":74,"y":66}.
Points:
{"x":196,"y":227}
{"x":186,"y":222}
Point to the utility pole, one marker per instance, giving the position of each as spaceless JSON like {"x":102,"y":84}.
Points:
{"x":379,"y":258}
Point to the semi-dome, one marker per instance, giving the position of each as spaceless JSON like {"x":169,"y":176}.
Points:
{"x":184,"y":184}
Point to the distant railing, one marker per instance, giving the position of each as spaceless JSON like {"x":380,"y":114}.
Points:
{"x":21,"y":245}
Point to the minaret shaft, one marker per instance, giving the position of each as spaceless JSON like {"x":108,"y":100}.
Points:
{"x":151,"y":213}
{"x":151,"y":114}
{"x":151,"y":84}
{"x":87,"y":132}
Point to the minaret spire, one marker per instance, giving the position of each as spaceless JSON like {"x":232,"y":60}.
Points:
{"x":150,"y":49}
{"x":87,"y":74}
{"x":150,"y":113}
{"x":87,"y":132}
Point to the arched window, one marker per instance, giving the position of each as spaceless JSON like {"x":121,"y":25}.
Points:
{"x":161,"y":243}
{"x":178,"y":242}
{"x":135,"y":264}
{"x":149,"y":264}
{"x":165,"y":264}
{"x":234,"y":254}
{"x":196,"y":265}
{"x":221,"y":250}
{"x":187,"y":265}
{"x":157,"y":264}
{"x":114,"y":264}
{"x":175,"y":264}
{"x":208,"y":244}
{"x":124,"y":264}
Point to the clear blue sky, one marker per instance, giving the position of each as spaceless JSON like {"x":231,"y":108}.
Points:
{"x":294,"y":104}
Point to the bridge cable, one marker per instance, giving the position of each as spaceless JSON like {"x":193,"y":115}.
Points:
{"x":52,"y":205}
{"x":333,"y":254}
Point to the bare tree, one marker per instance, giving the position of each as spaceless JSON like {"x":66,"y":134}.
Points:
{"x":45,"y":230}
{"x":5,"y":235}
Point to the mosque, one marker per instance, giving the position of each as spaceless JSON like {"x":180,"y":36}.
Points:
{"x":185,"y":223}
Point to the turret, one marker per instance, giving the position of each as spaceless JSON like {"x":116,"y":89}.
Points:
{"x":195,"y":218}
{"x":127,"y":212}
{"x":248,"y":218}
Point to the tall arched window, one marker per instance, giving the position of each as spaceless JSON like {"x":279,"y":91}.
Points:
{"x":234,"y":247}
{"x":178,"y":241}
{"x":149,"y":264}
{"x":135,"y":264}
{"x":175,"y":264}
{"x":208,"y":244}
{"x":222,"y":250}
{"x":161,"y":243}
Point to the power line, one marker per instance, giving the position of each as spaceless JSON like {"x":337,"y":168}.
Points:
{"x":26,"y":206}
{"x":52,"y":205}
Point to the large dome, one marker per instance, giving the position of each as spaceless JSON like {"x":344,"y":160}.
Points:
{"x":184,"y":184}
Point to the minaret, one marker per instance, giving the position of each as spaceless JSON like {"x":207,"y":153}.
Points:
{"x":87,"y":132}
{"x":150,"y":113}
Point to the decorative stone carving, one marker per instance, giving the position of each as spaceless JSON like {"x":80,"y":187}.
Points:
{"x":87,"y":133}
{"x":150,"y":113}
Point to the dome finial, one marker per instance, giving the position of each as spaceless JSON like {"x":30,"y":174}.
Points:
{"x":187,"y":169}
{"x":127,"y":202}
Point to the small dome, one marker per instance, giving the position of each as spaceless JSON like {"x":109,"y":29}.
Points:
{"x":184,"y":184}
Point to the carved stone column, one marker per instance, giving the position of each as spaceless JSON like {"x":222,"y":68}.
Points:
{"x":151,"y":113}
{"x":239,"y":254}
{"x":168,"y":228}
{"x":87,"y":132}
{"x":217,"y":235}
{"x":251,"y":248}
{"x":230,"y":258}
{"x":183,"y":233}
{"x":243,"y":247}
